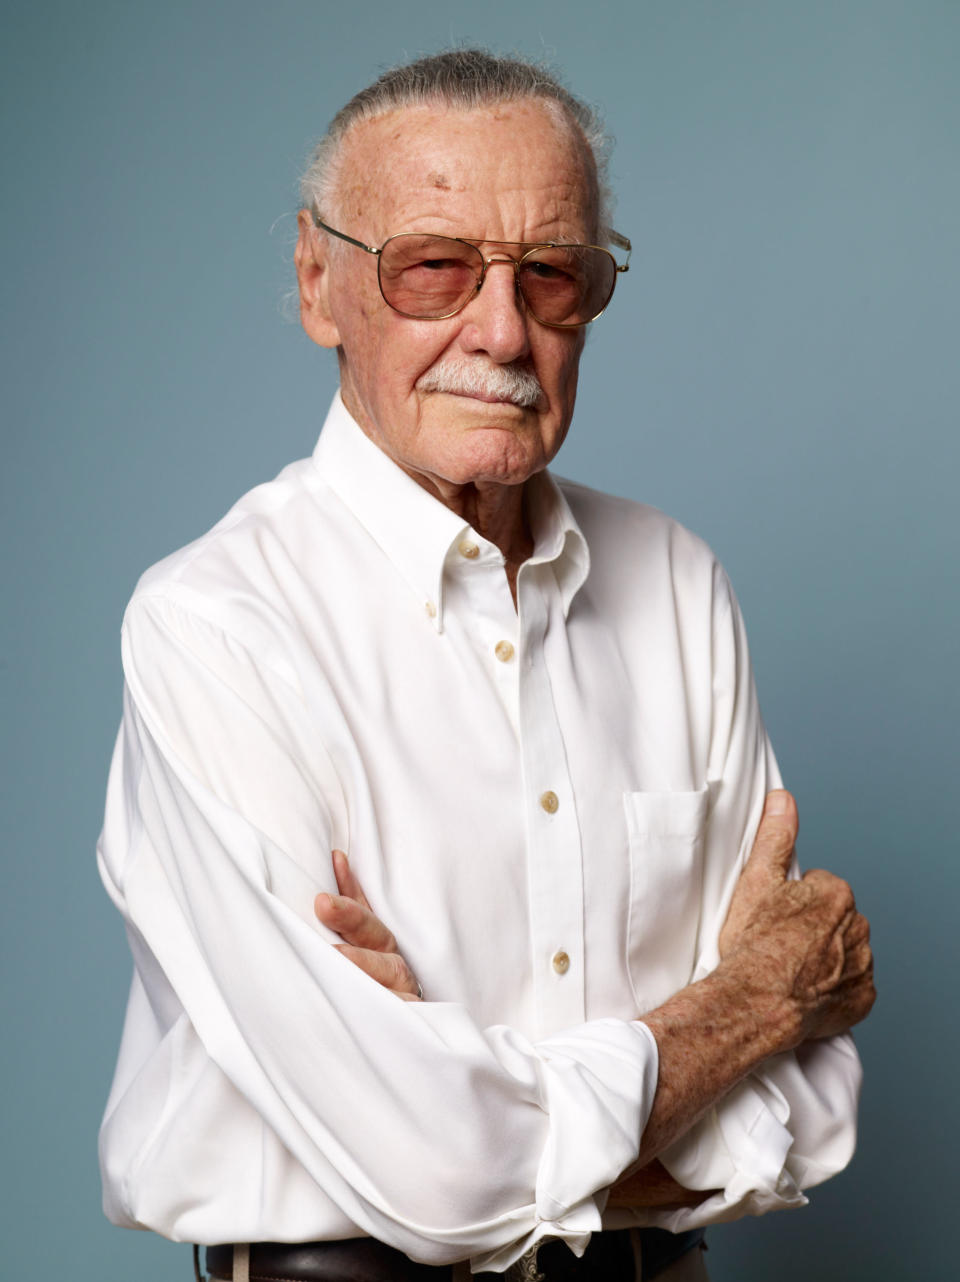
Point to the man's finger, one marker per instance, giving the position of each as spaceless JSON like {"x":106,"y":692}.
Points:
{"x":354,"y":923}
{"x":857,"y":931}
{"x":388,"y":969}
{"x":346,"y":880}
{"x":772,"y":851}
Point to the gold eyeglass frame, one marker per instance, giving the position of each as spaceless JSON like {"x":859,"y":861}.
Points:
{"x":531,"y":247}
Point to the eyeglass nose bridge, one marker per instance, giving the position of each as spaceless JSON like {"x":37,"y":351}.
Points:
{"x":508,"y":261}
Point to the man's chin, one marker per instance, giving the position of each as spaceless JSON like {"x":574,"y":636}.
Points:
{"x":495,"y":458}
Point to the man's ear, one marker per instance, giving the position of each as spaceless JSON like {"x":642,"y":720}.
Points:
{"x":312,"y":259}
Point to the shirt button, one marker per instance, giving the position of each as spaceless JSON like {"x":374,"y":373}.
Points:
{"x":431,"y":610}
{"x":550,"y":802}
{"x":469,"y":550}
{"x":561,"y":962}
{"x":504,"y":651}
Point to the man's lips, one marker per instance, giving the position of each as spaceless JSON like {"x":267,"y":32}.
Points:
{"x":487,"y":400}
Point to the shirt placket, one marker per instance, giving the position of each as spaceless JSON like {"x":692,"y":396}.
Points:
{"x":554,"y":848}
{"x":490,"y":619}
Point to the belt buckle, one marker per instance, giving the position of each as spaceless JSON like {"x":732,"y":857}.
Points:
{"x":525,"y":1269}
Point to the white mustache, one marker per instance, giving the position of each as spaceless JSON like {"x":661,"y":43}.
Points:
{"x":465,"y":377}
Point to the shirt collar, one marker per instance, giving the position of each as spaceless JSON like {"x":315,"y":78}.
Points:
{"x":418,"y":532}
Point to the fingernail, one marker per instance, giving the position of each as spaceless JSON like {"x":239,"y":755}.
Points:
{"x":777,"y":803}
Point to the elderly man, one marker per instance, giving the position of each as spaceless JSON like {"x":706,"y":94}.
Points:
{"x":525,"y":712}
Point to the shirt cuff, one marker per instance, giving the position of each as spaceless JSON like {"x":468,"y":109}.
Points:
{"x":575,"y":1228}
{"x":597,"y":1085}
{"x":739,"y":1148}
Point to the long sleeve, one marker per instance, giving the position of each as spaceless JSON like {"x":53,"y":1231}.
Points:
{"x":792,"y":1123}
{"x":434,"y":1135}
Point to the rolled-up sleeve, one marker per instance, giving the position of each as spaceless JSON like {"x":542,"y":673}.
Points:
{"x":432,"y":1134}
{"x":792,"y":1123}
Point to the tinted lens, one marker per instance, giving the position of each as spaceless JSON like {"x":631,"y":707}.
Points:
{"x":567,"y":285}
{"x":428,"y":276}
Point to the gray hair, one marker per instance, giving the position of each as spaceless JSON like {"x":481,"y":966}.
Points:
{"x":464,"y":79}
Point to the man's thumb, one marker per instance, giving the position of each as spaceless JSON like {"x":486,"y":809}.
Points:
{"x":772,"y":851}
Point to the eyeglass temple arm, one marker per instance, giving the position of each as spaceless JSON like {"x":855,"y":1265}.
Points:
{"x":621,"y":242}
{"x":318,"y":222}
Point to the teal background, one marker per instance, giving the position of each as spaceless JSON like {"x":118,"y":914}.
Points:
{"x":779,"y":370}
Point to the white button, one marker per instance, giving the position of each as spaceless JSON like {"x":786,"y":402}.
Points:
{"x":469,"y":550}
{"x":561,"y":962}
{"x":431,"y":610}
{"x":550,"y":802}
{"x":504,"y":651}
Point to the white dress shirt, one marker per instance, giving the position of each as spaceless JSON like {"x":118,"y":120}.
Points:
{"x":549,"y":807}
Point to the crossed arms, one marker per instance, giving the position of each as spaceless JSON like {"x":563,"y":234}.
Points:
{"x":268,"y":1065}
{"x":796,"y":966}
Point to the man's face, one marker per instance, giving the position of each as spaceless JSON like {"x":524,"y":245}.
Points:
{"x":509,"y":172}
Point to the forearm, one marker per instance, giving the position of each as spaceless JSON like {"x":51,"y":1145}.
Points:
{"x":708,"y":1038}
{"x":710,"y":1035}
{"x":788,"y":1125}
{"x":817,"y":1086}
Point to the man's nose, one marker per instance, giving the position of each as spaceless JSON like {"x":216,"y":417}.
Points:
{"x":496,"y":320}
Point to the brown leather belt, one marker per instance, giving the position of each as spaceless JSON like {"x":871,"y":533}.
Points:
{"x":609,"y":1257}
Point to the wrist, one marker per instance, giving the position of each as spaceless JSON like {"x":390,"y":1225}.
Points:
{"x":730,"y":1021}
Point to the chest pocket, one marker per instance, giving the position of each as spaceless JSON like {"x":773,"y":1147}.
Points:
{"x":666,"y":836}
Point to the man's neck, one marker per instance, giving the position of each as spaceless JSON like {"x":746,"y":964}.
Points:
{"x":496,"y":512}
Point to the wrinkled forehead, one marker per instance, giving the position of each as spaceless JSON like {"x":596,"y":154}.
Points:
{"x":511,"y":169}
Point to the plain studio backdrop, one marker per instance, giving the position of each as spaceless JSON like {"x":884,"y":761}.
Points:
{"x":779,"y":370}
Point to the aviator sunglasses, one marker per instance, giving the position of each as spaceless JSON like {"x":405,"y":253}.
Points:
{"x":430,"y":277}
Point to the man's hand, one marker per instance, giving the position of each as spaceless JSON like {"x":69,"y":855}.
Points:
{"x":795,"y":964}
{"x":367,"y":941}
{"x":652,"y":1185}
{"x":802,"y":942}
